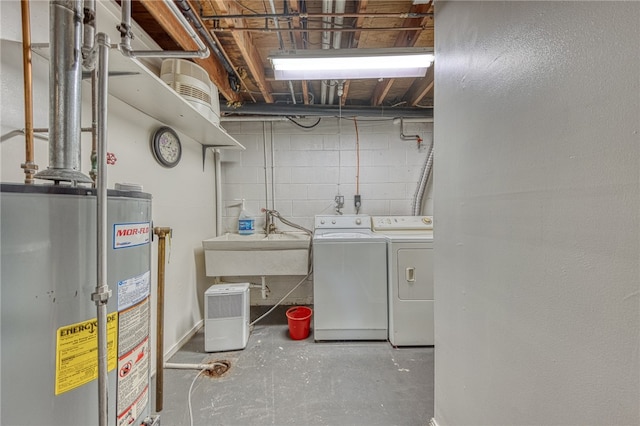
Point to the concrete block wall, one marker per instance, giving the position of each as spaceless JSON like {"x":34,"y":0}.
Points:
{"x":300,"y":171}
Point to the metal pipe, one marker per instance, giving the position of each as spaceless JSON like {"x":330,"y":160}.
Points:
{"x":65,"y":96}
{"x":266,"y":173}
{"x":218,"y":164}
{"x":281,"y":41}
{"x":267,"y":29}
{"x":326,"y":40}
{"x":162,"y":234}
{"x":311,"y":15}
{"x":102,"y":292}
{"x":126,"y":36}
{"x":273,"y":168}
{"x":178,"y":366}
{"x":28,"y":166}
{"x":337,"y":39}
{"x":213,"y":45}
{"x":422,"y":183}
{"x":326,"y":111}
{"x":94,"y":127}
{"x":89,"y":28}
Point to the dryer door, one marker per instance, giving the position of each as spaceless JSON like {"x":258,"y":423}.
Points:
{"x":415,"y":274}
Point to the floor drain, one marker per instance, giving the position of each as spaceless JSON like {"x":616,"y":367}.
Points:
{"x":219,"y":369}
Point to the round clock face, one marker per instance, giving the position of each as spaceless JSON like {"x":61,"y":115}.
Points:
{"x":166,"y":147}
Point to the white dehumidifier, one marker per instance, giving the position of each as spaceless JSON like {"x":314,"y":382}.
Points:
{"x":226,"y":317}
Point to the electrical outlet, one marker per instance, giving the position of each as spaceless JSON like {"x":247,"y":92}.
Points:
{"x":357,"y":202}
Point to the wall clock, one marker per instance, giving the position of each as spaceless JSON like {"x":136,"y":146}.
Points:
{"x":166,"y":147}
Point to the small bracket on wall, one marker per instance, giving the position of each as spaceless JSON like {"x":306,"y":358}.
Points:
{"x":204,"y":151}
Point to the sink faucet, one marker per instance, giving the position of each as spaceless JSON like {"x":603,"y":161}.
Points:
{"x":269,"y":224}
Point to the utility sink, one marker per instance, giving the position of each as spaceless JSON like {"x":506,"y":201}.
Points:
{"x":282,"y":253}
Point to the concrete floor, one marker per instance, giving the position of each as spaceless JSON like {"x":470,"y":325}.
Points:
{"x":279,"y":381}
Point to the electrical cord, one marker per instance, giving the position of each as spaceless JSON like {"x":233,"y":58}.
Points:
{"x":302,"y":125}
{"x":190,"y":389}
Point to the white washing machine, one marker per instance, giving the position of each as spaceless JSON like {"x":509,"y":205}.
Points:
{"x":410,"y":278}
{"x":349,"y":280}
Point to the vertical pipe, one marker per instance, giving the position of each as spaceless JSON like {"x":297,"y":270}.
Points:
{"x":218,"y":165}
{"x":326,"y":41}
{"x":65,"y":95}
{"x":266,"y":172}
{"x":29,"y":166}
{"x":102,"y":293}
{"x":89,"y":28}
{"x":273,"y":172}
{"x":162,"y":234}
{"x":337,"y":39}
{"x":64,"y":77}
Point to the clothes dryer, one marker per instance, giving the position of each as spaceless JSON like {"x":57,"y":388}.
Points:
{"x":410,"y":278}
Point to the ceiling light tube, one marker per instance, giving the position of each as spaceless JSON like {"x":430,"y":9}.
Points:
{"x":346,"y":64}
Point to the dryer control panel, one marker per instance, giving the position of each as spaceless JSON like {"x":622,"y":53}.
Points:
{"x":402,"y":223}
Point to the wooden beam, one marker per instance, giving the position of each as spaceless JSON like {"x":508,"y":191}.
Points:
{"x":404,"y":39}
{"x":293,"y":7}
{"x":420,"y":88}
{"x":167,"y":20}
{"x":247,"y":48}
{"x":355,"y":40}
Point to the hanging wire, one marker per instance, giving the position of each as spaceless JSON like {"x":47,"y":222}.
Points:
{"x":302,"y":125}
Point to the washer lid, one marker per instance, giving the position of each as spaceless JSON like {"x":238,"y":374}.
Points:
{"x":337,"y":235}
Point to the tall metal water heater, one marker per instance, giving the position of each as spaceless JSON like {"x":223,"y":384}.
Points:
{"x":48,"y":272}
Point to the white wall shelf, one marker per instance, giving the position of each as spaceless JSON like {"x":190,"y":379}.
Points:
{"x":142,"y":89}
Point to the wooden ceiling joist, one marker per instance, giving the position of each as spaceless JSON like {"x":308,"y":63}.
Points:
{"x":294,"y":8}
{"x":355,"y":40}
{"x":247,"y":48}
{"x":420,"y":88}
{"x":404,"y":39}
{"x":167,"y":20}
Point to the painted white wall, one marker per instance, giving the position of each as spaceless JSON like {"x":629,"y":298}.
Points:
{"x":537,"y":215}
{"x":183,"y":197}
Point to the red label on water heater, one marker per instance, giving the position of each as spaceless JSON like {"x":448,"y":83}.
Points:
{"x":131,"y":234}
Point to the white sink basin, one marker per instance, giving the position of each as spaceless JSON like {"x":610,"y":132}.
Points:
{"x":284,"y":253}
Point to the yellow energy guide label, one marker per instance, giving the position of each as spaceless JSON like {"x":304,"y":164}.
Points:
{"x":77,"y":352}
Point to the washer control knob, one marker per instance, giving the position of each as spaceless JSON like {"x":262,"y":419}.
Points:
{"x":321,"y":221}
{"x":333,"y":221}
{"x":358,"y":221}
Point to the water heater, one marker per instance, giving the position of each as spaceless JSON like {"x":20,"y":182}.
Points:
{"x":226,"y":317}
{"x":48,"y":320}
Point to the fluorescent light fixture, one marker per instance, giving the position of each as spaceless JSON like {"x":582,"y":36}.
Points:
{"x":349,"y":64}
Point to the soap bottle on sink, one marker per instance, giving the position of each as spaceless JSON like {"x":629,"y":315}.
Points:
{"x":246,"y":224}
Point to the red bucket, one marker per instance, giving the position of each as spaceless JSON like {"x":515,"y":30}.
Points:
{"x":299,"y":319}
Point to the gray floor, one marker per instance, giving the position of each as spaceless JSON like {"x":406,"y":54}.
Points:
{"x":279,"y":381}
